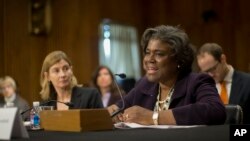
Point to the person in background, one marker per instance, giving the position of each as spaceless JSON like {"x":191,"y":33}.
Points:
{"x":232,"y":85}
{"x":59,"y":83}
{"x":104,"y":80}
{"x":11,"y":97}
{"x":171,"y":93}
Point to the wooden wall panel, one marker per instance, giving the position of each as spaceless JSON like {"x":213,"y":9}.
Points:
{"x":16,"y":49}
{"x":76,"y":33}
{"x":242,"y":49}
{"x":1,"y":37}
{"x":243,"y":14}
{"x":75,"y":30}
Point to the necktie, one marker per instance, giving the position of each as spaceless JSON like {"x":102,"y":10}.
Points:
{"x":223,"y":93}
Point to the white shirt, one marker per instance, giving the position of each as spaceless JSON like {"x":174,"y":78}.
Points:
{"x":105,"y":99}
{"x":9,"y":101}
{"x":228,"y":81}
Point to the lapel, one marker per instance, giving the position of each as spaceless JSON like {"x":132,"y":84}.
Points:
{"x":235,"y":88}
{"x":151,"y":89}
{"x":114,"y":97}
{"x":76,"y":97}
{"x":148,"y":88}
{"x":146,"y":94}
{"x":180,"y":88}
{"x":2,"y":102}
{"x":16,"y":100}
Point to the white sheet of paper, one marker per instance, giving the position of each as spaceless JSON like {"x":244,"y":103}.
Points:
{"x":7,"y":116}
{"x":125,"y":125}
{"x":11,"y":124}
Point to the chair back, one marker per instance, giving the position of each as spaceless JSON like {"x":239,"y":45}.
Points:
{"x":234,"y":114}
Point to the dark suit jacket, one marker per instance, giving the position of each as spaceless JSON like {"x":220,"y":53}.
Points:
{"x":240,"y":93}
{"x":84,"y":98}
{"x":115,"y":96}
{"x":195,"y":99}
{"x":113,"y":99}
{"x":21,"y":104}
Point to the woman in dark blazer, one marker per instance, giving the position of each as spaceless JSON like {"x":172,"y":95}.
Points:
{"x":170,"y":93}
{"x":59,"y":84}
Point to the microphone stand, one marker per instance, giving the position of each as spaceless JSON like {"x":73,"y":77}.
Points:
{"x":122,"y":75}
{"x":70,"y":104}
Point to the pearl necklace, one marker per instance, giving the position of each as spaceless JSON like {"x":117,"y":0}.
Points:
{"x":165,"y":102}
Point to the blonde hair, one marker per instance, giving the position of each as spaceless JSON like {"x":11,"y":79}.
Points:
{"x":51,"y":59}
{"x":8,"y":80}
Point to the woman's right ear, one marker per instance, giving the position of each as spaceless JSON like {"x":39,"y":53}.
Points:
{"x":46,"y":76}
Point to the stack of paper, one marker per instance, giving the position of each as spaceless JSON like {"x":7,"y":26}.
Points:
{"x":125,"y":125}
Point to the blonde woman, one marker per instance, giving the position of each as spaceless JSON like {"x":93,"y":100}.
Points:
{"x":59,"y":83}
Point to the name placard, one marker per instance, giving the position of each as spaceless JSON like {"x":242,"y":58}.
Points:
{"x":11,"y":124}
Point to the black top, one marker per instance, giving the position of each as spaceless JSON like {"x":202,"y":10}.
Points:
{"x":84,"y":98}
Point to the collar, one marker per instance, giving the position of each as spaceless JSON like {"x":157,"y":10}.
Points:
{"x":229,"y":77}
{"x":106,"y":95}
{"x":10,"y":99}
{"x":151,"y":88}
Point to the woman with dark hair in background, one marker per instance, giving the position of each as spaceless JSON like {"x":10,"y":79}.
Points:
{"x":171,"y":93}
{"x":103,"y":79}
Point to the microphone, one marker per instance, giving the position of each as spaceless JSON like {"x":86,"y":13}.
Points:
{"x":70,"y":104}
{"x":121,"y":75}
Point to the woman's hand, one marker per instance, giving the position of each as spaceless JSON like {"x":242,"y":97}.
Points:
{"x":111,"y":109}
{"x":138,"y":115}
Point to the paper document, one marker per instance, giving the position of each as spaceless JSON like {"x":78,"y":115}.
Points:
{"x":124,"y":125}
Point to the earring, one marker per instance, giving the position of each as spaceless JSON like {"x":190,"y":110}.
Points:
{"x":178,"y":66}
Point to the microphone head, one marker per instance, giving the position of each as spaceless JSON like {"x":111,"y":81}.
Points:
{"x":121,"y":75}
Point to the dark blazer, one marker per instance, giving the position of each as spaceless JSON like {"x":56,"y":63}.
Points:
{"x":115,"y":96}
{"x":20,"y":103}
{"x":195,"y":99}
{"x":113,"y":99}
{"x":84,"y":98}
{"x":240,"y":93}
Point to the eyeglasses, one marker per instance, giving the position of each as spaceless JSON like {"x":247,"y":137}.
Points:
{"x":213,"y":68}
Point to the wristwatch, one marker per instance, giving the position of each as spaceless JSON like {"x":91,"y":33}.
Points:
{"x":155,"y":117}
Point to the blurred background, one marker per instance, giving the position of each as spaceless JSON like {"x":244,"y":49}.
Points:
{"x":94,"y":32}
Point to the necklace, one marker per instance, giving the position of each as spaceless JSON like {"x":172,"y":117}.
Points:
{"x":165,"y":102}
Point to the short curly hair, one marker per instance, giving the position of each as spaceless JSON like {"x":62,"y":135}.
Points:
{"x":178,"y":41}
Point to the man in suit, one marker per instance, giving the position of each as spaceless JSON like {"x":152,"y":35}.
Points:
{"x":10,"y":97}
{"x":232,"y":85}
